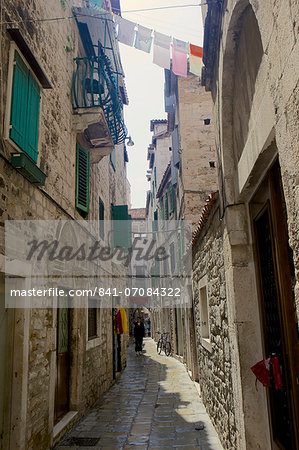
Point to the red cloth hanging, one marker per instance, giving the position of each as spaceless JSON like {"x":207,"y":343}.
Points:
{"x":276,"y":372}
{"x":262,"y":371}
{"x":119,"y":327}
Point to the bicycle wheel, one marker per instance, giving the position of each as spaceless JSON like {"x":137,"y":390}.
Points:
{"x":159,"y":346}
{"x":167,"y":348}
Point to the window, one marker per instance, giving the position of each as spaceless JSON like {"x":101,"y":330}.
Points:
{"x":162,"y":209}
{"x":24,"y":112}
{"x":172,"y":198}
{"x":155,"y":176}
{"x":82,"y":180}
{"x":155,"y":221}
{"x":204,"y":314}
{"x":121,"y":226}
{"x":101,"y":218}
{"x":92,"y":323}
{"x":172,"y":258}
{"x":166,"y":207}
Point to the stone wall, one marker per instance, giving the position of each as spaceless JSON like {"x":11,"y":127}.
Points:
{"x":248,"y":146}
{"x":214,"y":354}
{"x":55,"y":44}
{"x":97,"y":363}
{"x":198,"y":154}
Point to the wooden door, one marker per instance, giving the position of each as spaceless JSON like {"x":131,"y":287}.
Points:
{"x":280,"y":328}
{"x":3,"y":356}
{"x":62,"y":390}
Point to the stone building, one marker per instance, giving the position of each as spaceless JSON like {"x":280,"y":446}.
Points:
{"x":246,"y":263}
{"x":188,"y":180}
{"x":213,"y":349}
{"x":56,"y":138}
{"x":158,"y":155}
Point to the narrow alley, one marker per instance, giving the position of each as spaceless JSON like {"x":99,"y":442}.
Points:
{"x":149,"y":181}
{"x":154,"y":404}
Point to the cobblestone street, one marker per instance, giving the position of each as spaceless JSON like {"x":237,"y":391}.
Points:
{"x":153,"y":405}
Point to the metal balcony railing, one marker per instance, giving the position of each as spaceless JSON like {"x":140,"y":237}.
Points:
{"x":96,"y":85}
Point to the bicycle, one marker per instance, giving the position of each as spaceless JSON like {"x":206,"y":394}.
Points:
{"x":163,"y":344}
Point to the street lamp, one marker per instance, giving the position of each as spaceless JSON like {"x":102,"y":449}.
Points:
{"x":130,"y":141}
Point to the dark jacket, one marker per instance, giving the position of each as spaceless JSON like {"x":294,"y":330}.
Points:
{"x":139,"y":329}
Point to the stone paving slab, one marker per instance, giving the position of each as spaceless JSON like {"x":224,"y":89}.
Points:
{"x":153,"y":405}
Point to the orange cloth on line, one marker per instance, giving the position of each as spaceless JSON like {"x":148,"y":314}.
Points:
{"x":196,"y":51}
{"x":124,"y":320}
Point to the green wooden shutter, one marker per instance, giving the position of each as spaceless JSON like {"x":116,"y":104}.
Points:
{"x":122,"y":224}
{"x":19,"y":102}
{"x":32,"y":118}
{"x":82,"y":179}
{"x":166,"y":207}
{"x":172,"y":198}
{"x":162,"y":208}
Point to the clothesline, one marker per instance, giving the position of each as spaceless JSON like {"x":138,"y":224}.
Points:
{"x":165,"y":47}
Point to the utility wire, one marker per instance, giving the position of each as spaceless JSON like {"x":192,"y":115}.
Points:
{"x":100,"y":13}
{"x":163,"y":7}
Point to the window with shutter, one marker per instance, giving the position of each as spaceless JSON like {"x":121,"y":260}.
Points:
{"x":92,"y":323}
{"x":122,"y":226}
{"x":166,"y":207}
{"x":24,"y":114}
{"x":101,"y":218}
{"x":162,"y":209}
{"x":155,"y":221}
{"x":82,"y":180}
{"x":172,"y":198}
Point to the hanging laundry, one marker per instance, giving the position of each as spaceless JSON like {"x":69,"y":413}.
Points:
{"x":124,"y":320}
{"x":195,"y":60}
{"x":161,"y":55}
{"x":143,"y":39}
{"x":118,"y":322}
{"x":117,"y":19}
{"x":179,"y":62}
{"x":126,"y":32}
{"x":196,"y":51}
{"x":181,"y":46}
{"x":195,"y":65}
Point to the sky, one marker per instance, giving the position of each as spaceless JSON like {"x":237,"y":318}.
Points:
{"x":145,"y":81}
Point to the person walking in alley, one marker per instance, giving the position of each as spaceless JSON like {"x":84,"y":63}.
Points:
{"x":138,"y":335}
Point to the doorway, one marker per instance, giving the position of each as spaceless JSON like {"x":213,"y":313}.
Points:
{"x":62,"y":389}
{"x":3,"y":355}
{"x":275,"y":273}
{"x":116,"y":346}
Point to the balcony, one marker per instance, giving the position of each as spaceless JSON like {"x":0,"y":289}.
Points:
{"x":95,"y":88}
